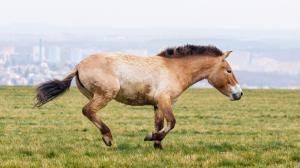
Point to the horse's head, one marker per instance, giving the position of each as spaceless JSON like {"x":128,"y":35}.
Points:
{"x":223,"y":79}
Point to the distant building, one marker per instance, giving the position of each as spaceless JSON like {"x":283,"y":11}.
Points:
{"x":53,"y":54}
{"x":6,"y":54}
{"x":38,"y":52}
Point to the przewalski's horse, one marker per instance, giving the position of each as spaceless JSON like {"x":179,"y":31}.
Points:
{"x":136,"y":80}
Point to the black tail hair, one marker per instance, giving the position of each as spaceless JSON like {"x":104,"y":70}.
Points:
{"x":52,"y":89}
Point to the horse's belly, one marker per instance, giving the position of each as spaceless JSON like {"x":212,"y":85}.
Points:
{"x":135,"y":94}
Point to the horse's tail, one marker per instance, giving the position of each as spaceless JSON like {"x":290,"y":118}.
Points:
{"x":49,"y":90}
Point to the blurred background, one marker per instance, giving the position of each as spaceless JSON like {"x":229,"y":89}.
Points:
{"x":41,"y":40}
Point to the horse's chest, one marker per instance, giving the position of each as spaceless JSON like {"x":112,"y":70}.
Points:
{"x":139,"y":93}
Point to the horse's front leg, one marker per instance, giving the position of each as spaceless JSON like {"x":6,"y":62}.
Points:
{"x":158,"y":124}
{"x":165,"y":105}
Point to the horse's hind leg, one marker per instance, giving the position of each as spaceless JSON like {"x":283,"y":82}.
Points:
{"x":159,"y":124}
{"x":95,"y":104}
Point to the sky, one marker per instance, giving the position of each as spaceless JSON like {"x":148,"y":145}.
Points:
{"x":229,"y":14}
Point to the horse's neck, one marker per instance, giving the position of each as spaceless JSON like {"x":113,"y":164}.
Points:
{"x":192,"y":69}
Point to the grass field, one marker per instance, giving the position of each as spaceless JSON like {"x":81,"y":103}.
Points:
{"x":261,"y":130}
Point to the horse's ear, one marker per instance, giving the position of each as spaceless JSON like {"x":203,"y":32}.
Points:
{"x":226,"y":54}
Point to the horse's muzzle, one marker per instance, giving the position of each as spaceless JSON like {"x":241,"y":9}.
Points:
{"x":236,"y":96}
{"x":236,"y":92}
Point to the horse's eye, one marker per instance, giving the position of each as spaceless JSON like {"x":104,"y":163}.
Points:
{"x":229,"y":71}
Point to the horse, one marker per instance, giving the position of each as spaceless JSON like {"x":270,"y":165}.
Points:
{"x":156,"y":80}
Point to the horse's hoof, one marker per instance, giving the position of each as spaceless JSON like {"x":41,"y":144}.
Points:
{"x":107,"y":140}
{"x":148,"y":137}
{"x":154,"y":137}
{"x":157,"y":145}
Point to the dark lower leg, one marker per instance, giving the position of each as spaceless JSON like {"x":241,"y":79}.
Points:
{"x":160,"y":135}
{"x":165,"y":107}
{"x":159,"y":124}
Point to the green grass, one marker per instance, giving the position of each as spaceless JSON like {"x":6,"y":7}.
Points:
{"x":261,"y":130}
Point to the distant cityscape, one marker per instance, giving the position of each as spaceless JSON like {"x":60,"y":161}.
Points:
{"x":30,"y":59}
{"x":31,"y":65}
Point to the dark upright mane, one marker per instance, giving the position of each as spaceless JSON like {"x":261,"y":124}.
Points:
{"x":189,"y":49}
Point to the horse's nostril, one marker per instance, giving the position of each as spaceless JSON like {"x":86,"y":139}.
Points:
{"x":242,"y":93}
